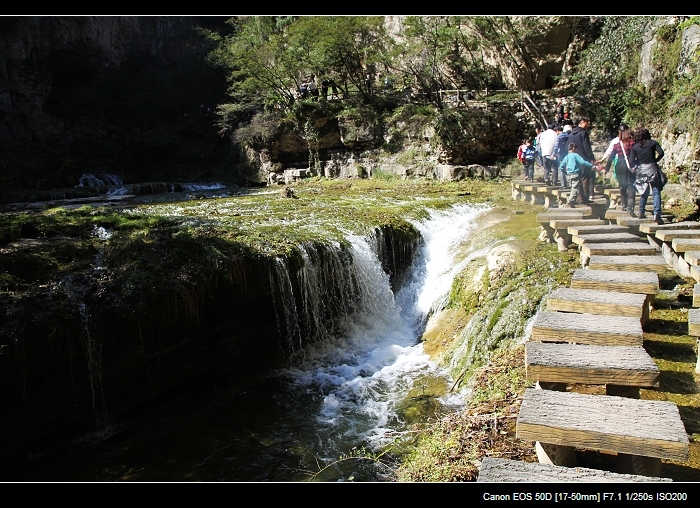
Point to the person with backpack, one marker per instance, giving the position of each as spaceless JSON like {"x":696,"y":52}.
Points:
{"x":561,"y":144}
{"x":644,"y":157}
{"x":574,"y":165}
{"x":526,"y":156}
{"x":581,"y":139}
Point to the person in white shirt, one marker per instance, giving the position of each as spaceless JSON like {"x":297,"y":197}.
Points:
{"x":546,"y":142}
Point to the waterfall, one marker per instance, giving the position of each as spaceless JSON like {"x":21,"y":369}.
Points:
{"x":362,"y":366}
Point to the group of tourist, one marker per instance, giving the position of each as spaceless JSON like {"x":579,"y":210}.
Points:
{"x":566,"y":155}
{"x":308,"y":88}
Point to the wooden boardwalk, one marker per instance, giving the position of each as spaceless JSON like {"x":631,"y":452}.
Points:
{"x":592,"y":334}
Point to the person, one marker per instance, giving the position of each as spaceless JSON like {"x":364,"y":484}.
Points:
{"x":644,"y":157}
{"x":526,"y":155}
{"x":579,"y":136}
{"x":313,"y":89}
{"x":324,"y":88}
{"x":574,"y":165}
{"x":304,"y":90}
{"x":560,"y":111}
{"x":547,"y":139}
{"x":567,"y":120}
{"x":561,"y":144}
{"x":615,"y":140}
{"x":619,"y":159}
{"x":538,"y":150}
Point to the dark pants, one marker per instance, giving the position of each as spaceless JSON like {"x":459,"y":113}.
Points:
{"x":529,"y":170}
{"x":551,"y":170}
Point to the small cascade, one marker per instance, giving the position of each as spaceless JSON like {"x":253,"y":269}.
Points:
{"x":92,"y":348}
{"x":99,"y":179}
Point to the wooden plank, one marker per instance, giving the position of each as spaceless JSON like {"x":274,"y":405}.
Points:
{"x":594,"y":329}
{"x":692,"y":257}
{"x":563,"y":214}
{"x":694,"y":322}
{"x":593,"y":301}
{"x":631,"y":263}
{"x":695,"y":272}
{"x":653,"y":228}
{"x":684,"y":244}
{"x":588,"y":229}
{"x":591,"y":365}
{"x":562,"y":224}
{"x":611,"y":280}
{"x":667,"y":235}
{"x":649,"y":428}
{"x":605,"y":238}
{"x":618,"y":249}
{"x":495,"y":470}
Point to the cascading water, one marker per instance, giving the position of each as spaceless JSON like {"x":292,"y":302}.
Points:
{"x":359,"y":374}
{"x":362,"y":376}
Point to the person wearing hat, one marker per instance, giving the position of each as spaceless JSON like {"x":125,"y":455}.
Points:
{"x":567,"y":121}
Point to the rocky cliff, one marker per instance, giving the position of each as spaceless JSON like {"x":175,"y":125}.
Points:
{"x":128,"y":95}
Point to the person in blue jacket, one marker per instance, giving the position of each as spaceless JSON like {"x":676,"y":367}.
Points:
{"x":575,"y":165}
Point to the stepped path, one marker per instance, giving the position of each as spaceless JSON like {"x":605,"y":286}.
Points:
{"x":591,"y":333}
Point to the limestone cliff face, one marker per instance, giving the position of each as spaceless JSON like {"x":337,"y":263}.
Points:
{"x":107,"y":84}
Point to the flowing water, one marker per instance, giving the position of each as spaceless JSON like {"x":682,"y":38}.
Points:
{"x":359,"y":386}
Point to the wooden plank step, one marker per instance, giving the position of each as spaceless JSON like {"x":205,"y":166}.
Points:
{"x":630,"y":263}
{"x":605,"y":238}
{"x":695,"y":272}
{"x":593,"y":301}
{"x":495,"y":470}
{"x":685,"y":244}
{"x":694,"y":322}
{"x":593,"y":329}
{"x":567,"y":223}
{"x":692,"y":257}
{"x":563,"y":214}
{"x":650,"y":428}
{"x":590,"y":365}
{"x":653,"y":228}
{"x":667,"y":235}
{"x":611,"y":280}
{"x":588,"y":229}
{"x":618,"y":249}
{"x":636,"y":223}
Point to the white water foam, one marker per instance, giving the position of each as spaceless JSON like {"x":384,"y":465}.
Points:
{"x":365,"y":373}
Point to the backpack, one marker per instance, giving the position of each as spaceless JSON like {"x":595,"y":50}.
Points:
{"x":529,"y":153}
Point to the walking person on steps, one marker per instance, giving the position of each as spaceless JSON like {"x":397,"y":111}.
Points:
{"x":620,"y":152}
{"x":644,"y":156}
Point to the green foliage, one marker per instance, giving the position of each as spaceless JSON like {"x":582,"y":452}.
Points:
{"x":605,"y":75}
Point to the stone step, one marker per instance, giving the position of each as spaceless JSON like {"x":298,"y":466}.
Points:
{"x":567,"y":223}
{"x":692,"y":257}
{"x":648,"y":428}
{"x":611,"y":280}
{"x":694,"y":322}
{"x":630,"y":263}
{"x":636,"y":223}
{"x":587,"y":229}
{"x":494,"y":470}
{"x":628,"y":366}
{"x":653,"y":228}
{"x":593,"y":301}
{"x":618,"y":249}
{"x":685,"y":244}
{"x":695,"y":272}
{"x":605,"y":238}
{"x":563,"y":214}
{"x":667,"y":235}
{"x":593,"y":329}
{"x":696,"y":295}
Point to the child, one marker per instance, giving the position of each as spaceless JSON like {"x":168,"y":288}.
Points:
{"x":526,"y":155}
{"x":574,"y":165}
